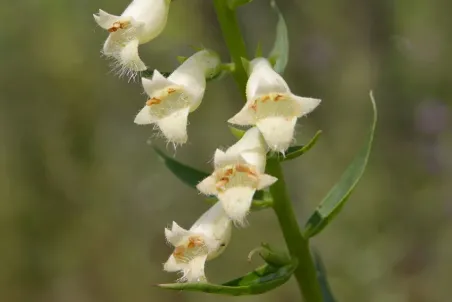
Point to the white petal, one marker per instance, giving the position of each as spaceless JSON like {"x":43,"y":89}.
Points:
{"x":251,"y":140}
{"x":104,"y":19}
{"x":112,"y":46}
{"x":194,"y":272}
{"x":193,"y":81}
{"x":307,"y":104}
{"x":215,"y":226}
{"x":151,"y":14}
{"x":129,"y":57}
{"x":144,"y":117}
{"x":219,"y":155}
{"x":222,"y":159}
{"x":158,"y":82}
{"x":256,"y":159}
{"x":207,"y":186}
{"x":222,"y":235}
{"x":264,"y":80}
{"x":277,"y":131}
{"x":265,"y":181}
{"x":176,"y":234}
{"x":174,"y":126}
{"x":236,"y":202}
{"x":251,"y":148}
{"x":246,"y":116}
{"x":171,"y":265}
{"x":214,"y":215}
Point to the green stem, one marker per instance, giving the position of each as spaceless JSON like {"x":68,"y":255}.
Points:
{"x":234,"y":41}
{"x":298,"y":246}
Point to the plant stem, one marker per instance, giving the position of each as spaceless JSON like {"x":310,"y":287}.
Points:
{"x":298,"y":246}
{"x":234,"y":41}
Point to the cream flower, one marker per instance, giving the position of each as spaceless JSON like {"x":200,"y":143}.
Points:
{"x":271,"y":106}
{"x":205,"y":240}
{"x":172,"y":99}
{"x":142,"y":21}
{"x":239,"y":172}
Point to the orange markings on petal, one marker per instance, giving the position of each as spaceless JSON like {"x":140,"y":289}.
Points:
{"x":265,"y":98}
{"x":221,"y":183}
{"x":278,"y":97}
{"x":118,"y":25}
{"x":171,"y":90}
{"x":153,"y":101}
{"x":179,"y":252}
{"x":251,"y":172}
{"x":241,"y":168}
{"x":229,"y":172}
{"x":195,"y":241}
{"x":245,"y":169}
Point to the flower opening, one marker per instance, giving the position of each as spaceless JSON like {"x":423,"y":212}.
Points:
{"x":271,"y":106}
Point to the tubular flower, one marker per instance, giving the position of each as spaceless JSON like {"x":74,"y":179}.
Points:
{"x":205,"y":240}
{"x":239,"y":172}
{"x":172,"y":99}
{"x":271,"y":106}
{"x":142,"y":21}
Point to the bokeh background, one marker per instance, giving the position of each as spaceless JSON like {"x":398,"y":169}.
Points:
{"x":84,"y":200}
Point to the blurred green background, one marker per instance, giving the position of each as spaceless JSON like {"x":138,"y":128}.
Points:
{"x":84,"y":200}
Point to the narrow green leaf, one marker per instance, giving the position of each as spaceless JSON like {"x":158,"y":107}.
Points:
{"x":296,"y":151}
{"x":188,"y":175}
{"x":261,"y":280}
{"x":322,"y":278}
{"x":280,"y":52}
{"x":336,"y":198}
{"x":233,"y":4}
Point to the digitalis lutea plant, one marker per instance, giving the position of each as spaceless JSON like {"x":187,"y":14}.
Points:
{"x":242,"y":171}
